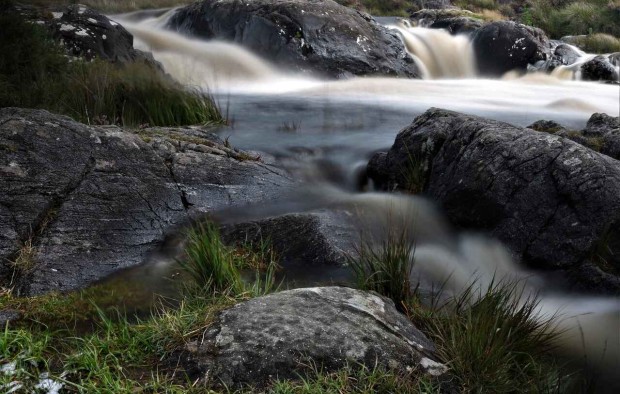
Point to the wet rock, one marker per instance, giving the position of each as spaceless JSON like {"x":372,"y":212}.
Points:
{"x":566,"y":54}
{"x":555,"y":203}
{"x":455,"y":21}
{"x":94,"y":200}
{"x":601,"y":124}
{"x":599,"y":69}
{"x":316,"y":238}
{"x":506,"y":46}
{"x":602,"y":133}
{"x":316,"y":36}
{"x":87,"y":34}
{"x":273,"y":337}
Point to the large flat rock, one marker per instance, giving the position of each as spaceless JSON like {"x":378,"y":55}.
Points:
{"x":94,"y":200}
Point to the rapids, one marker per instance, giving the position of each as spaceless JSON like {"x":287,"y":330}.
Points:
{"x":325,"y":131}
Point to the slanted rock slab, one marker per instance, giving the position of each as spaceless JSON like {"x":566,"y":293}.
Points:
{"x":276,"y":336}
{"x":93,"y":200}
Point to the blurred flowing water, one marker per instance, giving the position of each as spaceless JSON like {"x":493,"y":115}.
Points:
{"x":324,"y":132}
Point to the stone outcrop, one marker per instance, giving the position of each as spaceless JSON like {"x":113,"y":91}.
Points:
{"x":601,"y":134}
{"x":316,"y":36}
{"x":506,"y":46}
{"x":87,"y":34}
{"x":323,"y":237}
{"x":455,"y":21}
{"x":78,"y":203}
{"x":555,"y":203}
{"x":275,"y":336}
{"x":599,"y":68}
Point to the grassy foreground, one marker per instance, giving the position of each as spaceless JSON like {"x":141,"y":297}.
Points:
{"x":491,"y":342}
{"x":35,"y":73}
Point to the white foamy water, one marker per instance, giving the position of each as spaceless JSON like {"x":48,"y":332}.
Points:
{"x":230,"y":69}
{"x":438,"y":54}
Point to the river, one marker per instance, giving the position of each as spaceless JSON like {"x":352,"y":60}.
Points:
{"x":327,"y":130}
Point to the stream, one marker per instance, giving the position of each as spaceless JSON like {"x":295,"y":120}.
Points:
{"x":324,"y":132}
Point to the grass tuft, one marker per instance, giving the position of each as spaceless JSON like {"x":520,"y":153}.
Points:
{"x":562,"y":18}
{"x":223,"y":269}
{"x":357,"y":379}
{"x":25,"y":260}
{"x":493,"y":340}
{"x":414,"y":174}
{"x":598,"y":43}
{"x":386,"y":269}
{"x":35,"y":73}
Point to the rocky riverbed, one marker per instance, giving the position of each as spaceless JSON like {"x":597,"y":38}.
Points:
{"x":512,"y":186}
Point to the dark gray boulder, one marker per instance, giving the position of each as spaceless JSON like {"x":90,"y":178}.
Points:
{"x":505,"y":46}
{"x":455,"y":21}
{"x":87,"y":34}
{"x":555,"y":203}
{"x":322,"y":237}
{"x":274,"y":337}
{"x":599,"y":69}
{"x":317,"y":36}
{"x":566,"y":54}
{"x":94,"y":200}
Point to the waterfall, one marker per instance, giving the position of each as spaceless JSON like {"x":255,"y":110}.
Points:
{"x":438,"y":54}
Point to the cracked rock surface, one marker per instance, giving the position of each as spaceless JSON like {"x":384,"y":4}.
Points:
{"x":316,"y":36}
{"x":93,"y":200}
{"x":274,"y":336}
{"x":555,"y":203}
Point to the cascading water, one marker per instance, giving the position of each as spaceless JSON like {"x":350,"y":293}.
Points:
{"x":438,"y":54}
{"x":342,"y":122}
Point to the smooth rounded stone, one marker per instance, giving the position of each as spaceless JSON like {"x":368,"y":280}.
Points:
{"x":566,"y":54}
{"x":316,"y":36}
{"x":87,"y":34}
{"x":506,"y":46}
{"x":553,"y":202}
{"x":96,"y":200}
{"x":599,"y":69}
{"x":276,"y":336}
